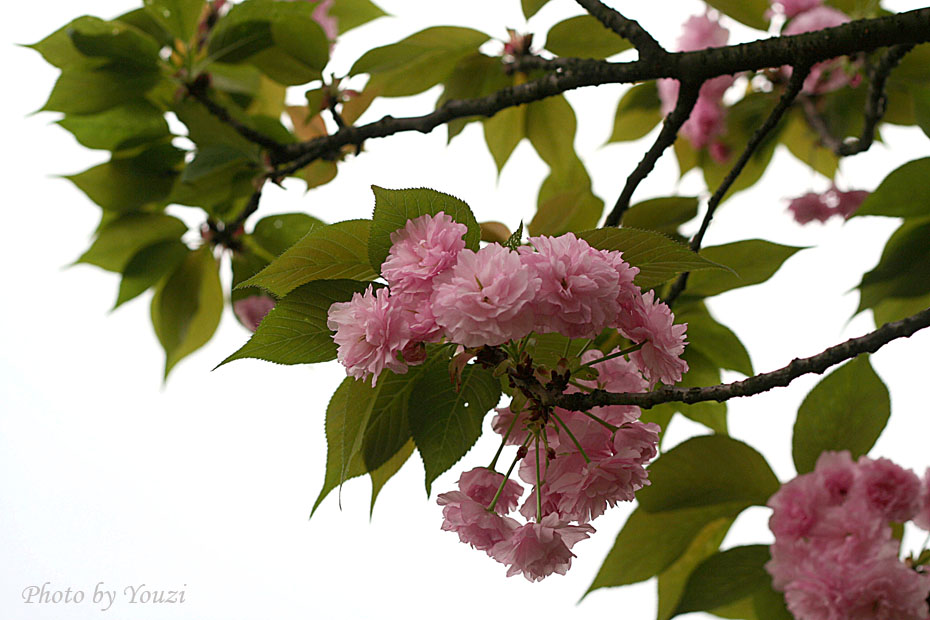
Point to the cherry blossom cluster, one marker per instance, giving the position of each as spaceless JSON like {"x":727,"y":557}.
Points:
{"x":821,"y":207}
{"x":439,"y":290}
{"x":834,"y":555}
{"x":707,"y":121}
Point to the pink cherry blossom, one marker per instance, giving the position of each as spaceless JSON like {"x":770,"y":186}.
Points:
{"x":329,"y":23}
{"x":700,"y":32}
{"x":848,"y":203}
{"x":829,"y":75}
{"x":790,"y":8}
{"x":486,"y":298}
{"x":251,"y":310}
{"x":481,"y":484}
{"x":370,"y":333}
{"x":810,"y":207}
{"x":425,"y":247}
{"x":473,"y":522}
{"x":579,"y":287}
{"x":614,"y":375}
{"x":539,"y":549}
{"x":922,"y":518}
{"x":889,"y":489}
{"x":649,"y":321}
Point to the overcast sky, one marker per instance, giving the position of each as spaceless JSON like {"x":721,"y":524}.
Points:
{"x":205,"y":485}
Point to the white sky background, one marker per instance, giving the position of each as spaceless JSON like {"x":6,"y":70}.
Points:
{"x":206,"y":484}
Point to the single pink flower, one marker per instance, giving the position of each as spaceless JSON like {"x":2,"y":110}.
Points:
{"x":370,"y":333}
{"x":421,"y":250}
{"x":486,"y":298}
{"x":891,"y":490}
{"x":539,"y":549}
{"x":481,"y":484}
{"x":651,"y":322}
{"x":579,"y":287}
{"x":474,"y":523}
{"x":251,"y":310}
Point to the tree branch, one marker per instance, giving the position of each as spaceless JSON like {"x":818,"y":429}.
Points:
{"x":687,"y":97}
{"x":627,"y":28}
{"x":757,"y":384}
{"x":874,"y":107}
{"x":791,"y":92}
{"x":256,"y":137}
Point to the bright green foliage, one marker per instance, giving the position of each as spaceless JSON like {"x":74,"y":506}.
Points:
{"x":750,"y":262}
{"x":714,"y":340}
{"x":119,"y":128}
{"x":701,"y":371}
{"x":90,"y":90}
{"x":179,"y":17}
{"x":659,"y":258}
{"x":726,"y":577}
{"x":148,"y":266}
{"x":662,"y":215}
{"x":503,"y":132}
{"x":475,"y":75}
{"x":115,"y":42}
{"x":380,"y":476}
{"x":120,"y":239}
{"x":904,"y":268}
{"x":394,"y":207}
{"x":637,"y":113}
{"x":354,"y":13}
{"x":419,"y":62}
{"x":277,"y":233}
{"x":446,"y":421}
{"x":847,"y":410}
{"x":295,"y":331}
{"x":903,"y":193}
{"x":805,"y":144}
{"x":187,"y":306}
{"x":325,"y":253}
{"x":584,"y":36}
{"x":531,"y":7}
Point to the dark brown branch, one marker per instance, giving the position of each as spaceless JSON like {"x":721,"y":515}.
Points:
{"x":863,"y":35}
{"x":256,"y":137}
{"x":874,"y":107}
{"x":627,"y":28}
{"x":757,"y":384}
{"x":755,"y":141}
{"x":687,"y":97}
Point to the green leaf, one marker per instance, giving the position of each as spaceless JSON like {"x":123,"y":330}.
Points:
{"x":148,"y":266}
{"x":475,"y":75}
{"x":325,"y":253}
{"x":637,"y":113}
{"x":895,"y":309}
{"x":351,"y":14}
{"x":921,"y":99}
{"x":380,"y":476}
{"x":122,"y":238}
{"x":708,"y":470}
{"x":142,"y":20}
{"x":672,"y":580}
{"x":805,"y":144}
{"x":846,"y":410}
{"x":57,"y":48}
{"x":121,"y":127}
{"x":531,"y":7}
{"x":750,"y":262}
{"x":295,"y":331}
{"x":770,"y":605}
{"x":662,"y":215}
{"x":388,"y":429}
{"x":903,"y":193}
{"x":394,"y":207}
{"x":179,"y":17}
{"x":550,"y":127}
{"x":566,"y":202}
{"x":651,"y":542}
{"x":115,"y":41}
{"x":749,"y":12}
{"x":277,"y":233}
{"x":714,"y":340}
{"x":214,"y":160}
{"x":547,"y":349}
{"x":658,"y":257}
{"x":503,"y":132}
{"x":447,"y":422}
{"x":701,"y":372}
{"x":418,"y":62}
{"x":726,"y":577}
{"x":584,"y":36}
{"x":129,"y":183}
{"x":187,"y":306}
{"x":904,"y":268}
{"x":85,"y":89}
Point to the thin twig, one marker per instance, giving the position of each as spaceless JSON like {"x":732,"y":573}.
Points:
{"x":757,"y":384}
{"x":627,"y":28}
{"x":687,"y":97}
{"x":755,"y":141}
{"x":243,"y":130}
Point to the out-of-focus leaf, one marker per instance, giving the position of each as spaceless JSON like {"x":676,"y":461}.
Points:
{"x":121,"y":127}
{"x":531,"y":7}
{"x":83,"y":89}
{"x":121,"y":239}
{"x":187,"y":306}
{"x":351,"y":14}
{"x":637,"y":113}
{"x":475,"y":75}
{"x":749,"y":12}
{"x":903,"y":193}
{"x":566,"y":202}
{"x":395,"y":207}
{"x":179,"y":17}
{"x":847,"y":410}
{"x":325,"y":253}
{"x":418,"y":62}
{"x":895,"y":309}
{"x":904,"y":268}
{"x":117,"y":42}
{"x":921,"y":99}
{"x":662,"y":215}
{"x":277,"y":233}
{"x":584,"y":36}
{"x":148,"y":266}
{"x":750,"y":262}
{"x":446,"y":422}
{"x":714,"y":340}
{"x":726,"y":577}
{"x":805,"y":144}
{"x":380,"y":476}
{"x":658,"y":257}
{"x":503,"y":132}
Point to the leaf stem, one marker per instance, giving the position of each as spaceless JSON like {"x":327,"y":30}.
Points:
{"x":572,"y":435}
{"x":626,"y":351}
